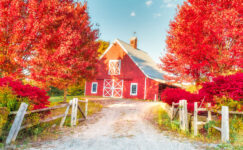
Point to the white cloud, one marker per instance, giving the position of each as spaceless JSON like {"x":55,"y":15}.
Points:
{"x":170,"y":3}
{"x":133,"y":14}
{"x":149,"y":2}
{"x":157,"y":15}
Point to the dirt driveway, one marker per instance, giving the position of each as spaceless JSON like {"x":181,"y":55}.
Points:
{"x":121,"y":126}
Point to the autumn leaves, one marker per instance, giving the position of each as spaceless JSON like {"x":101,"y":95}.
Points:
{"x":51,"y":41}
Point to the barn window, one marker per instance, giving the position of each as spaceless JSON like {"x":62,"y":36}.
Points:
{"x":94,"y":87}
{"x":114,"y":67}
{"x":134,"y":89}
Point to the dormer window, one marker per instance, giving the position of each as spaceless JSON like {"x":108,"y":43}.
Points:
{"x":114,"y":67}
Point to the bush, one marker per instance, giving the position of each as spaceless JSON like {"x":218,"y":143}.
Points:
{"x":170,"y":95}
{"x":34,"y":96}
{"x":53,"y":91}
{"x":75,"y":90}
{"x":225,"y":90}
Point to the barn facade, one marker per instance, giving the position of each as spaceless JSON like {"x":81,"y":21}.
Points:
{"x":126,"y":72}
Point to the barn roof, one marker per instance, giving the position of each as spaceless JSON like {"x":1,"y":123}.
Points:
{"x":142,"y":60}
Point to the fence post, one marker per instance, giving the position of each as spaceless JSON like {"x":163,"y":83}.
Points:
{"x":74,"y":112}
{"x":17,"y":123}
{"x":183,"y":114}
{"x":86,"y":107}
{"x":65,"y":114}
{"x":185,"y":125}
{"x":180,"y":113}
{"x":195,"y":118}
{"x":172,"y":110}
{"x":225,"y":124}
{"x":209,"y":113}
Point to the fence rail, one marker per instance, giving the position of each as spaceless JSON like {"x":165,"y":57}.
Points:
{"x":20,"y":114}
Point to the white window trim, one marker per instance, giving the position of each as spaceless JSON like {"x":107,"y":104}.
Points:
{"x":96,"y":88}
{"x":119,"y":67}
{"x":134,"y":94}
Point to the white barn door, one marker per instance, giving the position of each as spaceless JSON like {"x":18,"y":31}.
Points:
{"x":113,"y":88}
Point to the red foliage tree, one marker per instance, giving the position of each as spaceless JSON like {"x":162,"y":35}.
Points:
{"x":205,"y":39}
{"x":17,"y":33}
{"x":52,"y":39}
{"x":67,"y":52}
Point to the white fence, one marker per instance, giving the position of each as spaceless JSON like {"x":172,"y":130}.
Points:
{"x":183,"y":113}
{"x":17,"y":124}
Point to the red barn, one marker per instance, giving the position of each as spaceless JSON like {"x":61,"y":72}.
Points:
{"x":126,"y":72}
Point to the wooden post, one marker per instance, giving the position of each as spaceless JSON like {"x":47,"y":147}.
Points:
{"x":74,"y":112}
{"x":209,"y":113}
{"x":185,"y":121}
{"x":86,"y":107}
{"x":183,"y":114}
{"x":195,"y":119}
{"x":65,"y":114}
{"x":172,"y":111}
{"x":17,"y":123}
{"x":225,"y":124}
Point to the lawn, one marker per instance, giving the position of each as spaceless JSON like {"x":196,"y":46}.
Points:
{"x":92,"y":107}
{"x":55,"y":99}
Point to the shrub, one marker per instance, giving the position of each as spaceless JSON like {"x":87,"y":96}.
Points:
{"x":77,"y":89}
{"x":36,"y":97}
{"x":3,"y":117}
{"x":170,"y":95}
{"x":53,"y":91}
{"x":225,"y":90}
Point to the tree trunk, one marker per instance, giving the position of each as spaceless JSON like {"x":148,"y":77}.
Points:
{"x":65,"y":95}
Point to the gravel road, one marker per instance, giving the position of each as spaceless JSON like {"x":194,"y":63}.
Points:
{"x":121,"y":127}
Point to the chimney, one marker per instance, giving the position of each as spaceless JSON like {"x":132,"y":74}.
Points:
{"x":133,"y":42}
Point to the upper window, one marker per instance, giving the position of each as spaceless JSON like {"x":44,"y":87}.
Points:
{"x":94,"y":87}
{"x":134,"y":89}
{"x":114,"y":67}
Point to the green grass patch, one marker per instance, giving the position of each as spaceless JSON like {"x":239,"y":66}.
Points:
{"x":54,"y":99}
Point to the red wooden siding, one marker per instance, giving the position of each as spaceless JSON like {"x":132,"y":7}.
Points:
{"x":129,"y":73}
{"x":152,"y":89}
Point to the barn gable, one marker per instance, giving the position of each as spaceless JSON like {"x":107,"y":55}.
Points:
{"x":144,"y":62}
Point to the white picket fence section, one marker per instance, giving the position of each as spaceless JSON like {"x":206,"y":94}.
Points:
{"x":195,"y":115}
{"x":17,"y":124}
{"x":183,"y":113}
{"x":224,"y":121}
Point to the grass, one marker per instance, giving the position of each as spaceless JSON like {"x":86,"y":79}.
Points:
{"x":54,"y":99}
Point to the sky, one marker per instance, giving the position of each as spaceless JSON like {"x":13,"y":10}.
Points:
{"x":121,"y":18}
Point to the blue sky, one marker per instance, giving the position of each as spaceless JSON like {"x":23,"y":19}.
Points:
{"x":148,"y":18}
